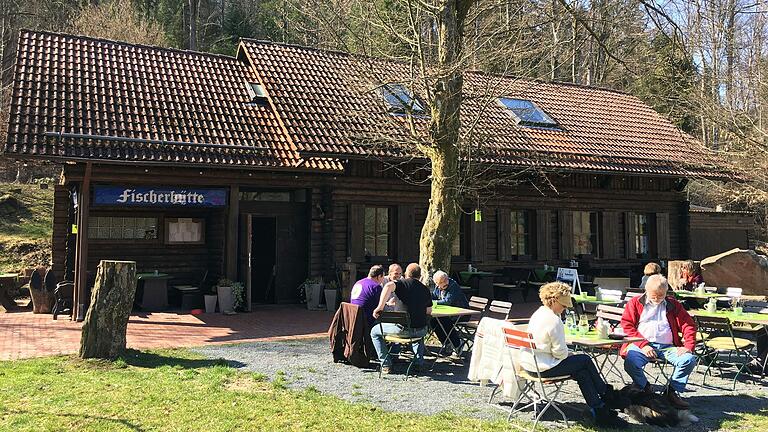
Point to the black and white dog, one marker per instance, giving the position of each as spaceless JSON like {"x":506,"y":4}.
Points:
{"x":654,"y":408}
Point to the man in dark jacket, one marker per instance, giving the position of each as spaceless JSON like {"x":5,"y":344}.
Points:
{"x":659,"y":320}
{"x":448,"y":292}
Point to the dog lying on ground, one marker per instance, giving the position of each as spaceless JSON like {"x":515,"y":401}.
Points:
{"x":654,"y":409}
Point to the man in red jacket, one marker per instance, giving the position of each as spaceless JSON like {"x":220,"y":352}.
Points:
{"x":660,"y":320}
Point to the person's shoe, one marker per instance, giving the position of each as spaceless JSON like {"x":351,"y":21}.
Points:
{"x":648,"y":389}
{"x":676,"y":400}
{"x":755,"y":368}
{"x":606,"y":417}
{"x":386,"y":370}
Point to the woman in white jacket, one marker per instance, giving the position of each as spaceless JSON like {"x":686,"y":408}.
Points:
{"x":554,"y":359}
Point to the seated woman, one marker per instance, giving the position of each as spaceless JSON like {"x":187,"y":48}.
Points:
{"x":650,"y":269}
{"x":689,"y":277}
{"x":553,"y":358}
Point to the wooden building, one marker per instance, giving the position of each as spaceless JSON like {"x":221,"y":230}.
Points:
{"x":714,"y":231}
{"x":253,"y":166}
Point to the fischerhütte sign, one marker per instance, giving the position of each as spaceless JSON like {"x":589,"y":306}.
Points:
{"x":161,"y":197}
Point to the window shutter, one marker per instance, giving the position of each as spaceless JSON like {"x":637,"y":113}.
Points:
{"x":610,"y":237}
{"x":503,"y":221}
{"x":629,"y":235}
{"x":477,"y":239}
{"x":565,"y":222}
{"x":356,"y":232}
{"x":543,"y":234}
{"x":662,"y":235}
{"x":406,"y":233}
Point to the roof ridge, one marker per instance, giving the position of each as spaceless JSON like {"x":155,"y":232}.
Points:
{"x":473,"y":71}
{"x":124,"y":43}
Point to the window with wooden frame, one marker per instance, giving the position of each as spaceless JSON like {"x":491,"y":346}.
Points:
{"x":643,"y":232}
{"x":185,"y":231}
{"x":122,"y":228}
{"x":377,"y":231}
{"x":586,"y":230}
{"x":519,"y":233}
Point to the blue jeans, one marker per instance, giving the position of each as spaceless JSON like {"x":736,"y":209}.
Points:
{"x":377,"y":335}
{"x":683,"y":364}
{"x":581,"y":368}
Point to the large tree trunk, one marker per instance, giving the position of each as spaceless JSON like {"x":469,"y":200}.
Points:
{"x":442,"y":223}
{"x":106,"y":322}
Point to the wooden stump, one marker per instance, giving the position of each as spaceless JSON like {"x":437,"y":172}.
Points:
{"x":42,"y":299}
{"x":106,"y":322}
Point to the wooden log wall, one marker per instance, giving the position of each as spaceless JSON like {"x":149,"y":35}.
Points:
{"x":61,"y":227}
{"x":716,"y":232}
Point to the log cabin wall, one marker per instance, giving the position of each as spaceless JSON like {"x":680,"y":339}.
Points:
{"x":714,"y":232}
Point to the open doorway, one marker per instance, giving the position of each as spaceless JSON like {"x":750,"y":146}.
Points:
{"x":263,"y":259}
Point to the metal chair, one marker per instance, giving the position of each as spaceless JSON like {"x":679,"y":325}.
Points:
{"x":467,"y":329}
{"x":65,"y":295}
{"x":534,"y":382}
{"x":722,"y":341}
{"x":403,"y":319}
{"x":499,"y":309}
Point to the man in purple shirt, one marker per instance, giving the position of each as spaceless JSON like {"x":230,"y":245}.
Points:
{"x":366,"y":292}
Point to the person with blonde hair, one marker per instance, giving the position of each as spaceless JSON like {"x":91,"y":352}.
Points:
{"x":554,"y":359}
{"x":689,"y":277}
{"x":650,"y":269}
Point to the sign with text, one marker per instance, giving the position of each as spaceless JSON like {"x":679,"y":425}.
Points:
{"x":571,"y":277}
{"x":158,"y":196}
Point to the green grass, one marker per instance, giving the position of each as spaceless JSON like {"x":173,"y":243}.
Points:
{"x":26,"y":233}
{"x":175,"y":390}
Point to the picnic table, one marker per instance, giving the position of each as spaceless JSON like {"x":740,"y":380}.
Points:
{"x":744,"y":317}
{"x":445,"y":311}
{"x":480,"y":280}
{"x":682,"y":294}
{"x":6,"y":281}
{"x":155,"y":296}
{"x":594,"y":346}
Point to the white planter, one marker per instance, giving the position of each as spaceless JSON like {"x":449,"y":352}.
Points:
{"x":225,"y":299}
{"x":210,"y":303}
{"x":330,"y":300}
{"x":313,"y":292}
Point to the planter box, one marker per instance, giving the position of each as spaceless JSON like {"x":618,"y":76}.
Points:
{"x":210,"y":303}
{"x":330,"y":300}
{"x":226,"y":301}
{"x":313,"y":292}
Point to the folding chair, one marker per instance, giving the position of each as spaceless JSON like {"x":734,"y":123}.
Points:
{"x":403,"y":319}
{"x":499,"y":309}
{"x":722,"y":341}
{"x":467,"y":329}
{"x":535,"y":388}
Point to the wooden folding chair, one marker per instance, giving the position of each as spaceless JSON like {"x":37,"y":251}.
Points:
{"x":535,"y":390}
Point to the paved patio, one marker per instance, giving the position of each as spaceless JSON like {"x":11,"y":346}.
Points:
{"x":25,"y":335}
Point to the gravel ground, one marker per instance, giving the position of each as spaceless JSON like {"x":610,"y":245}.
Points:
{"x":308,"y":363}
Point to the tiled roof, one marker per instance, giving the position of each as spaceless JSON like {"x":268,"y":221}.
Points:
{"x":329,"y":103}
{"x":191,"y":108}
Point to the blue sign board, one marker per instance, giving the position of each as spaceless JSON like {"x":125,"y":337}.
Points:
{"x":158,"y":196}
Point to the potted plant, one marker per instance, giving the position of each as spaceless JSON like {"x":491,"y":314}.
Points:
{"x":226,"y":300}
{"x":331,"y":296}
{"x":312,"y":289}
{"x":210,"y":302}
{"x":238,"y":296}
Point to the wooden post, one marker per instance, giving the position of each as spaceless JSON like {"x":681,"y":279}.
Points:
{"x":232,"y":232}
{"x":81,"y":253}
{"x":106,"y":323}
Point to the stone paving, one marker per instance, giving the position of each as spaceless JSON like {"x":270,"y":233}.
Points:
{"x":25,"y":335}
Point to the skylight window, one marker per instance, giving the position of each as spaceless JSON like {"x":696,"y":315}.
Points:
{"x":401,"y":100}
{"x":256,"y":91}
{"x":527,"y":113}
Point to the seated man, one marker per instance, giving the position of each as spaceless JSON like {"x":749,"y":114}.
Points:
{"x":416,"y":298}
{"x":659,"y":320}
{"x":448,"y":292}
{"x":552,"y":357}
{"x":366,"y":292}
{"x":395,"y":273}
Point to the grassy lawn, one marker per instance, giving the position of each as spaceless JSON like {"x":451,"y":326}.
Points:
{"x":25,"y":228}
{"x":175,"y":390}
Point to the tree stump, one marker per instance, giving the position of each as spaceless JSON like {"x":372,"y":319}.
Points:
{"x":42,"y":299}
{"x":106,"y":322}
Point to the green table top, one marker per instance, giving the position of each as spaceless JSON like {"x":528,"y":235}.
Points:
{"x":691,"y":294}
{"x":152,"y":275}
{"x":591,"y":338}
{"x":751,"y":316}
{"x":446,"y":310}
{"x":466,"y":275}
{"x":593,"y":300}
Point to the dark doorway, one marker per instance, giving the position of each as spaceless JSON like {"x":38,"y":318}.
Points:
{"x":263,"y":259}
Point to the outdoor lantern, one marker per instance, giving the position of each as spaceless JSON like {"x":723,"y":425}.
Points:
{"x":478,"y":215}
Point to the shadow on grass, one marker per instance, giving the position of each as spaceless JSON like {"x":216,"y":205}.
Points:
{"x":118,"y":421}
{"x":147,"y":359}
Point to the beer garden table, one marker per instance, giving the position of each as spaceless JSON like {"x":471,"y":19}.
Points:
{"x":582,"y":299}
{"x":444,"y":311}
{"x":596,"y":347}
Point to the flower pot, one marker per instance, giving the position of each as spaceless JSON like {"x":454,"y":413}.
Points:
{"x":330,"y":300}
{"x":313,"y":292}
{"x":226,"y":301}
{"x":738,"y":310}
{"x":210,"y":303}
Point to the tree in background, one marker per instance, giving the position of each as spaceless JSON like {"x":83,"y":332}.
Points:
{"x":118,"y":20}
